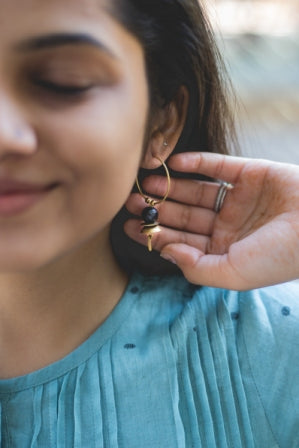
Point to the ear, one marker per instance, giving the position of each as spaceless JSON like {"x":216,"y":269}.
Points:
{"x":166,"y":129}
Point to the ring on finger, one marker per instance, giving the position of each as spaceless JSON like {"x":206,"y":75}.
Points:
{"x":222,"y":192}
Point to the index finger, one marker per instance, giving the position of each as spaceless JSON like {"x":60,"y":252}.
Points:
{"x":217,"y":166}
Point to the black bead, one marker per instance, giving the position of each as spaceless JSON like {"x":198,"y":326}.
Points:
{"x":150,"y":215}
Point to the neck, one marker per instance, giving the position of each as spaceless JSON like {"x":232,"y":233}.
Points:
{"x":46,"y":314}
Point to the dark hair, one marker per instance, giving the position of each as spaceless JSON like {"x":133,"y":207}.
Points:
{"x":179,"y":49}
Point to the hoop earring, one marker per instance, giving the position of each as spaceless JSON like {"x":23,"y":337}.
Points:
{"x":150,"y":224}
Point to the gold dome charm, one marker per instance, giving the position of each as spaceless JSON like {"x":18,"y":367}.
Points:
{"x":149,"y":230}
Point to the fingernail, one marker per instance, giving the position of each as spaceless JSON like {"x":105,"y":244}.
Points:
{"x":169,"y":258}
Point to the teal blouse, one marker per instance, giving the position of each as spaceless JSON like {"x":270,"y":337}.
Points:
{"x":173,"y":366}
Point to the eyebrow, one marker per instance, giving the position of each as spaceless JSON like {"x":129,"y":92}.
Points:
{"x":62,"y":39}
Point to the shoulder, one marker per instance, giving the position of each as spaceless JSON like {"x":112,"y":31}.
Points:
{"x":263,"y":326}
{"x":267,"y":310}
{"x":271,"y":313}
{"x":269,"y":327}
{"x":266,"y":319}
{"x":268,"y":343}
{"x":242,"y":346}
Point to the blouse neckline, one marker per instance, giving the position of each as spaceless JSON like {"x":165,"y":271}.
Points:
{"x":85,"y":350}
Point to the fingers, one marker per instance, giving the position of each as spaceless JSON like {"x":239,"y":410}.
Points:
{"x":201,"y":269}
{"x":133,"y":229}
{"x":217,"y":166}
{"x":188,"y":191}
{"x":196,"y":266}
{"x":188,"y":252}
{"x":179,"y":216}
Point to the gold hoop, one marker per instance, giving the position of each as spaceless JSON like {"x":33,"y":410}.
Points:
{"x":150,"y":201}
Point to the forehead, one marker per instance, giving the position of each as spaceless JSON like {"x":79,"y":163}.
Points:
{"x":31,"y":18}
{"x":23,"y":6}
{"x":41,"y":16}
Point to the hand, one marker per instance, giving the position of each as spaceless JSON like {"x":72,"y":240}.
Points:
{"x":252,"y":242}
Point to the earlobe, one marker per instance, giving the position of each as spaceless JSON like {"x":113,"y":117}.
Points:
{"x":167,"y":129}
{"x":158,"y":148}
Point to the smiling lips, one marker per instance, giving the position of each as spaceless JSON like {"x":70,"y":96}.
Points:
{"x":16,"y":197}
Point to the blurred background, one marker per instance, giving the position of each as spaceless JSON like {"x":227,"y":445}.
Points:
{"x":259,"y":40}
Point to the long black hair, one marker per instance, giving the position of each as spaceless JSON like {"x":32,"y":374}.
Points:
{"x":180,"y":50}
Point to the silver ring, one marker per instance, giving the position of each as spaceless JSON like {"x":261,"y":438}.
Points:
{"x":222,"y":192}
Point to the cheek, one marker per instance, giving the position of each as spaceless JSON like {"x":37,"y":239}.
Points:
{"x":100,"y":145}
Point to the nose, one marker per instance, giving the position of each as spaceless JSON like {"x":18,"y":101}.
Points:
{"x":17,"y":136}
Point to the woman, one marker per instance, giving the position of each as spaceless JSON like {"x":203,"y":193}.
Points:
{"x":90,"y":91}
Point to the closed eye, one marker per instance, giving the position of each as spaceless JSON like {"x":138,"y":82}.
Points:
{"x":62,"y":89}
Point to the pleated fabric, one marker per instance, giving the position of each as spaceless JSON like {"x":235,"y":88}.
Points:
{"x":173,"y":366}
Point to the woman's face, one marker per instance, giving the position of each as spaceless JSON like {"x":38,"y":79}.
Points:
{"x":73,"y":111}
